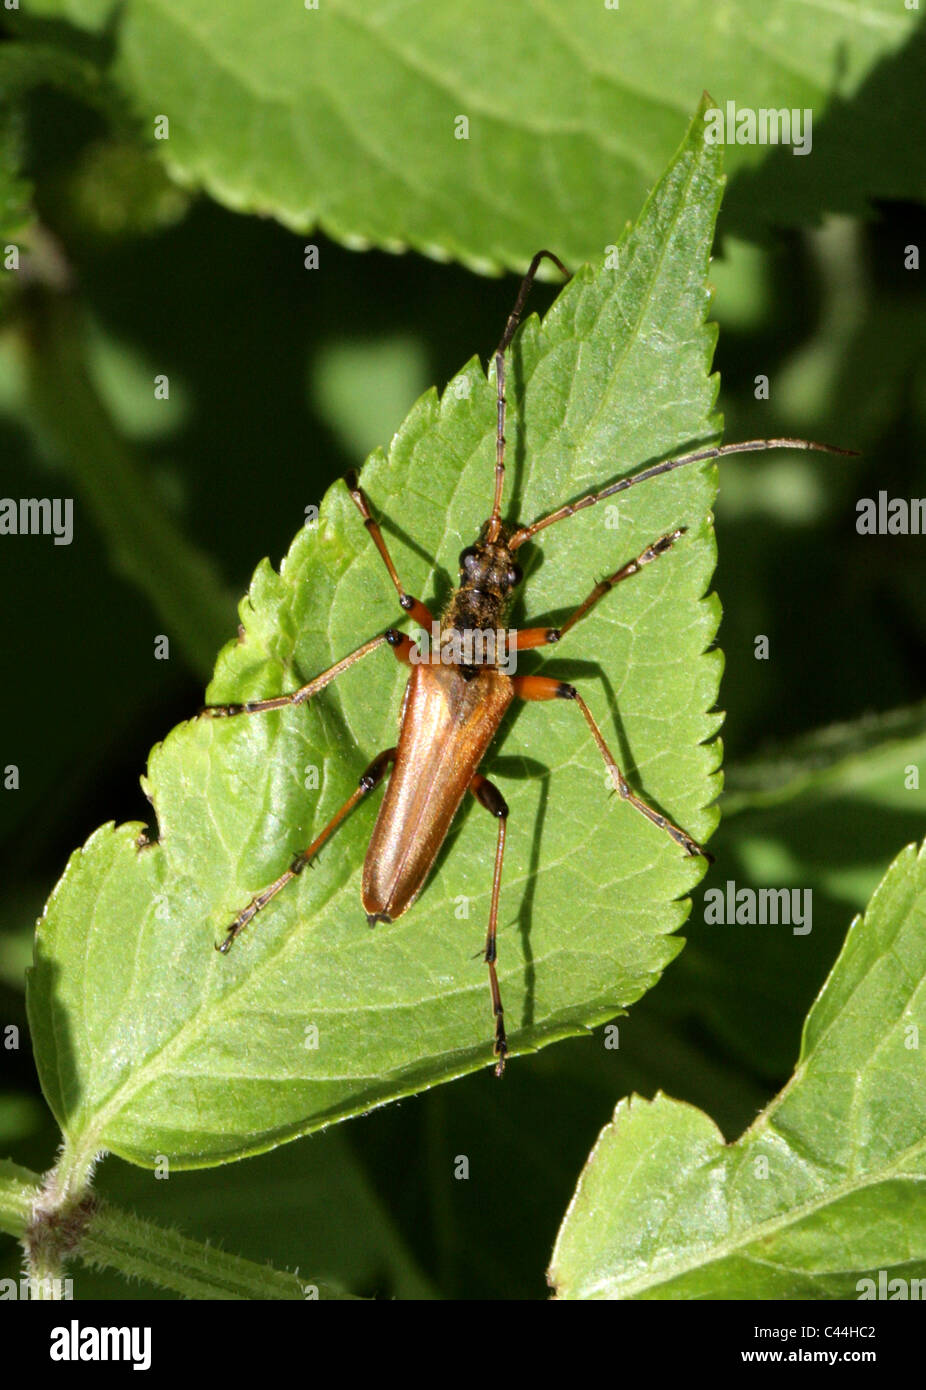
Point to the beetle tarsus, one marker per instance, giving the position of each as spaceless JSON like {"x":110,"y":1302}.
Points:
{"x":501,"y":1046}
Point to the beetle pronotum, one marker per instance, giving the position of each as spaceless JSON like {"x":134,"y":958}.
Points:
{"x":453,"y":707}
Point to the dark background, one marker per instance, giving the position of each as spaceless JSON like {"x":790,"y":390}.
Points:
{"x":281,"y":380}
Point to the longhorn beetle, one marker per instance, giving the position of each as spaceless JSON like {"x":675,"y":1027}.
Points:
{"x":455,"y":699}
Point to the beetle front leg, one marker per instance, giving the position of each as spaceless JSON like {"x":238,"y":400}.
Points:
{"x":529,"y":637}
{"x":401,"y":647}
{"x":413,"y":606}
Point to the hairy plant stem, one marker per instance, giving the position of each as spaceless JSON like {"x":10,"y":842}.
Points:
{"x":58,"y":1219}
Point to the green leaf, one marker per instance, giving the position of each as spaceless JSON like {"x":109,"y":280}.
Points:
{"x":346,"y":116}
{"x":825,"y":811}
{"x":150,"y":1042}
{"x":25,"y":65}
{"x":89,"y":14}
{"x":15,"y":197}
{"x":14,"y":215}
{"x":825,"y":1188}
{"x":826,"y":762}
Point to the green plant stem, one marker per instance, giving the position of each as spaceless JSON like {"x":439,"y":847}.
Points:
{"x":116,"y":1239}
{"x":145,"y":542}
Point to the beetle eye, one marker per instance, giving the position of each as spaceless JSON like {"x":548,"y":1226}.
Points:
{"x":515,"y":575}
{"x":468,"y":557}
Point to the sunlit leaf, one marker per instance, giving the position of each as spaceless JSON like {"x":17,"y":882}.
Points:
{"x":148,"y":1041}
{"x":824,"y":1190}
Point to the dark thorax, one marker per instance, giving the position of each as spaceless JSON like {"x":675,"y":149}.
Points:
{"x":488,"y":577}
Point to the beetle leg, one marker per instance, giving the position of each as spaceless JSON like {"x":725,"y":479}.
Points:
{"x":400,"y":644}
{"x":549,"y":688}
{"x":545,"y":636}
{"x":414,"y":606}
{"x":489,"y":796}
{"x":370,"y":779}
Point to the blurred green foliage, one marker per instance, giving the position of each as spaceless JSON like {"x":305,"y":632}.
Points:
{"x":285,"y":378}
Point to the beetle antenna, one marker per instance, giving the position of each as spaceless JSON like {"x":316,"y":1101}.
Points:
{"x":716,"y":451}
{"x":514,"y":318}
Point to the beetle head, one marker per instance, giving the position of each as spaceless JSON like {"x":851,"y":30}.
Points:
{"x":488,"y":567}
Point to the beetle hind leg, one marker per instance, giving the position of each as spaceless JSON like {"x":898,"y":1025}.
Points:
{"x":549,"y":688}
{"x":489,"y":796}
{"x":371,"y":778}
